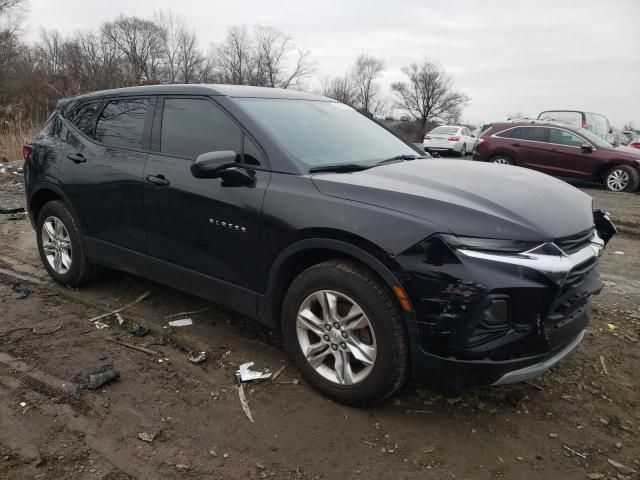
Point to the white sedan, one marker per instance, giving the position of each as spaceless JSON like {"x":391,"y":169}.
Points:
{"x":451,"y":139}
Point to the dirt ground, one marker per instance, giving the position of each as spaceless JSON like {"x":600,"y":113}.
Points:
{"x":567,"y":424}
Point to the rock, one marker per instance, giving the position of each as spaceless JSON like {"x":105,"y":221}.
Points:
{"x":260,"y":466}
{"x":146,"y":437}
{"x":621,"y":468}
{"x":553,"y":435}
{"x":453,"y":401}
{"x":595,"y":476}
{"x":619,"y":445}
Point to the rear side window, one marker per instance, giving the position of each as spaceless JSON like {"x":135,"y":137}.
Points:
{"x":536,"y":134}
{"x":192,"y":126}
{"x":121,"y":123}
{"x":84,"y":117}
{"x":562,"y":137}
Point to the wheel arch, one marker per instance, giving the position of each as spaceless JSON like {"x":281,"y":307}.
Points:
{"x":603,"y":169}
{"x":41,"y":194}
{"x":302,"y":254}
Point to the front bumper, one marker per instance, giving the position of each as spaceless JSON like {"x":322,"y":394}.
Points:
{"x":549,"y":308}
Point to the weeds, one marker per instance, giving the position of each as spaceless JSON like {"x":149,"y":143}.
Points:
{"x":14,"y":130}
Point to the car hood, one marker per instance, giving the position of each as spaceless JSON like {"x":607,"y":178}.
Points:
{"x":469,"y":198}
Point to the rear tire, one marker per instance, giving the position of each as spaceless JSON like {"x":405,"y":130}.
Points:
{"x":463,"y":151}
{"x":621,"y":179}
{"x":61,"y":246}
{"x":335,"y":290}
{"x":502,"y":160}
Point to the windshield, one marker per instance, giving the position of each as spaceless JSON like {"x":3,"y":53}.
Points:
{"x":593,"y":138}
{"x":321,"y":133}
{"x":445,"y":130}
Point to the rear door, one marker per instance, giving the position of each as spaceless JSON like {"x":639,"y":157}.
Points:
{"x":568,"y":158}
{"x":202,"y":229}
{"x":102,"y":176}
{"x":528,"y":146}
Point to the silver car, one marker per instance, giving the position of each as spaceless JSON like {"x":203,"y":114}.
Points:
{"x":450,"y":139}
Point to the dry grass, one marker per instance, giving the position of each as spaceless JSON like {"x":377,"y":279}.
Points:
{"x":14,"y":130}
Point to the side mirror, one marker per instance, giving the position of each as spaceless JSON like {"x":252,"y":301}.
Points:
{"x":473,"y":136}
{"x":212,"y":164}
{"x":586,"y":148}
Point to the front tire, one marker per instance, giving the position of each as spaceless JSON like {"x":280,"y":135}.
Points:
{"x":343,"y":331}
{"x":61,"y":246}
{"x":621,"y":179}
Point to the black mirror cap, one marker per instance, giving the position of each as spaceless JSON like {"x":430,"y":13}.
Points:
{"x":586,"y":148}
{"x":212,"y":164}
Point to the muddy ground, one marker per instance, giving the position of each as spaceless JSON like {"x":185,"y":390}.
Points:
{"x":566,"y":424}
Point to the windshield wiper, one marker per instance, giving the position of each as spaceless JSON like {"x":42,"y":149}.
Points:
{"x":398,"y":158}
{"x":339,"y":168}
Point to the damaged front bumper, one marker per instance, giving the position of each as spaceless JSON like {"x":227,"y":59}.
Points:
{"x":492,"y":318}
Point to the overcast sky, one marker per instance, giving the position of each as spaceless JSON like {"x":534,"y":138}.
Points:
{"x":508,"y":56}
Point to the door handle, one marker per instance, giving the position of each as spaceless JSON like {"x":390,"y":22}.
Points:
{"x":157,"y":180}
{"x":76,"y":158}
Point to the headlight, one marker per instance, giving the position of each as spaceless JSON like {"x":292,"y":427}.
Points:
{"x":489,"y":244}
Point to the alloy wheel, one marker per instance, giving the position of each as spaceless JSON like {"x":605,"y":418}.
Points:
{"x":56,"y":244}
{"x":501,"y":161}
{"x":463,"y":152}
{"x":618,"y":180}
{"x":336,"y":337}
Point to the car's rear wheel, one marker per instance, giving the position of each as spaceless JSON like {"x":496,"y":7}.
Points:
{"x":344,"y":332}
{"x":621,"y":179}
{"x":463,"y":151}
{"x":61,"y":246}
{"x":502,"y":160}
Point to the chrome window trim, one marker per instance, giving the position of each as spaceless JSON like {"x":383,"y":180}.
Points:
{"x":537,"y":141}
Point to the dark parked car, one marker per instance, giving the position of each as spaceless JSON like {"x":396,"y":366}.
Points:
{"x":561,"y":150}
{"x":301,"y":212}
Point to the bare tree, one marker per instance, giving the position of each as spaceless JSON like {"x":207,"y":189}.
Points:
{"x":341,"y":89}
{"x":190,"y":58}
{"x":140,"y":41}
{"x":234,"y":56}
{"x":171,"y":27}
{"x":428,"y":94}
{"x":366,"y":70}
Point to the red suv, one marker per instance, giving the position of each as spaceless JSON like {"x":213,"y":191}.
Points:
{"x":560,"y":150}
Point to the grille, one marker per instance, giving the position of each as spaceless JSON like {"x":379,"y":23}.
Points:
{"x":578,"y":274}
{"x":573,"y":243}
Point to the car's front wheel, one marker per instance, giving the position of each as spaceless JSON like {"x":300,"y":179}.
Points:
{"x":621,"y":179}
{"x":61,"y":246}
{"x":344,"y":332}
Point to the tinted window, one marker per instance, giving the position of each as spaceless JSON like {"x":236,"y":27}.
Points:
{"x":536,"y":134}
{"x":121,"y":123}
{"x":562,"y":137}
{"x":193,"y":126}
{"x":252,"y":155}
{"x":84,"y":118}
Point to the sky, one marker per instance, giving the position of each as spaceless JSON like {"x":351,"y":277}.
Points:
{"x":508,"y":56}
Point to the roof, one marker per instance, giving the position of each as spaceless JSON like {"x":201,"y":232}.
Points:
{"x":202,"y":89}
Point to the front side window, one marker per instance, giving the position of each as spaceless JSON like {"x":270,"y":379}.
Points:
{"x":563,"y":137}
{"x":84,"y":118}
{"x":191,"y":126}
{"x":318,"y":133}
{"x":121,"y":123}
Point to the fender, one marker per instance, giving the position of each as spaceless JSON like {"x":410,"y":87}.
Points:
{"x":55,"y":189}
{"x":265,"y":302}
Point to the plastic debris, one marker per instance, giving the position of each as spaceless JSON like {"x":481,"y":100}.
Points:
{"x":139,"y":330}
{"x":23,"y":404}
{"x":581,"y":455}
{"x":245,"y":374}
{"x":119,"y":318}
{"x":618,"y":252}
{"x":183,"y":322}
{"x":146,"y":437}
{"x":612,"y":326}
{"x":100,"y":325}
{"x":197,"y":357}
{"x":244,"y":403}
{"x":278,"y":372}
{"x":20,"y":291}
{"x":98,"y":378}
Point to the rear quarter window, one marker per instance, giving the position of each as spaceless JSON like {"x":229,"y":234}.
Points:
{"x":121,"y":123}
{"x":84,"y":117}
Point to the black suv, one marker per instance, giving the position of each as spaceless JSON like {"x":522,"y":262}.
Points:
{"x":301,"y":212}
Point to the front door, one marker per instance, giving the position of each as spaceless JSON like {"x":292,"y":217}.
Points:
{"x":568,"y":158}
{"x":202,"y":232}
